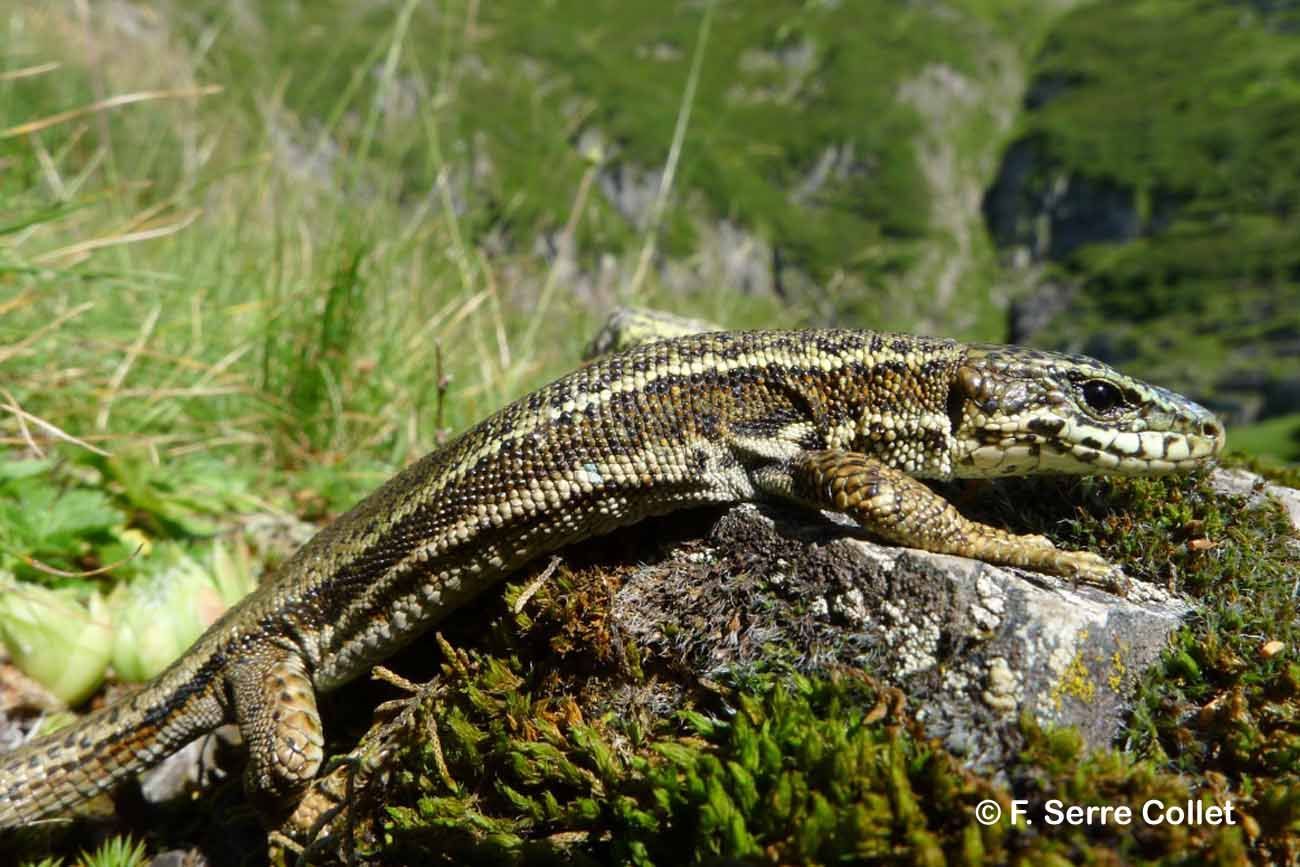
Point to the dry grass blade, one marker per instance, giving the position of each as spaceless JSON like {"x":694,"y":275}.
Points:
{"x":104,"y":104}
{"x":61,"y":573}
{"x":660,"y":203}
{"x":536,"y":584}
{"x":17,"y":302}
{"x":22,"y":346}
{"x":29,"y":71}
{"x":91,"y":244}
{"x":124,"y":367}
{"x":563,"y":251}
{"x":23,"y":417}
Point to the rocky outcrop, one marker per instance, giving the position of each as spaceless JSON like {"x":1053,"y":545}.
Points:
{"x":972,"y":645}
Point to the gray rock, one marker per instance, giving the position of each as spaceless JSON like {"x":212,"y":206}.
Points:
{"x":1038,"y":204}
{"x":972,"y":645}
{"x":193,"y":768}
{"x":179,"y":858}
{"x":1243,"y":483}
{"x":1235,"y":482}
{"x":631,"y":189}
{"x":1035,"y":312}
{"x":1289,"y":499}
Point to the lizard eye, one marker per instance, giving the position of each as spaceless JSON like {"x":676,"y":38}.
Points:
{"x":1101,"y":396}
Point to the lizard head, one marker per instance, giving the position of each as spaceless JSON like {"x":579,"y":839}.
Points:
{"x":1016,"y":411}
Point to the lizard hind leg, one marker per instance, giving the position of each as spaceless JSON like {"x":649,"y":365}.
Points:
{"x":275,"y":704}
{"x":896,"y":507}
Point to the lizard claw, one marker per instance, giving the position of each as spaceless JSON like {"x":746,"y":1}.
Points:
{"x":1090,"y":568}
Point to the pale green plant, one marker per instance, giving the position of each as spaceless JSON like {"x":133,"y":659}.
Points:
{"x":53,"y":638}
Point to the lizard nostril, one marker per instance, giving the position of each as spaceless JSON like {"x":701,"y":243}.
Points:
{"x":1211,"y":429}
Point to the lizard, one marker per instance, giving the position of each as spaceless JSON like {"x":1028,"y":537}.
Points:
{"x":839,"y":420}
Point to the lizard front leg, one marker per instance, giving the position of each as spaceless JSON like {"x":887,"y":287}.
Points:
{"x":899,"y":509}
{"x":275,"y":706}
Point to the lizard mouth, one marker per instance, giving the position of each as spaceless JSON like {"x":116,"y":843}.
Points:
{"x":1080,"y":447}
{"x":1148,"y":452}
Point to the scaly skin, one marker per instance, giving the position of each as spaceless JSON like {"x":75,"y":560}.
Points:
{"x":838,"y":420}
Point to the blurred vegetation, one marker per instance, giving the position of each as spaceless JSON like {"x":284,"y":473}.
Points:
{"x":255,"y":257}
{"x":1277,"y":438}
{"x":1181,"y":120}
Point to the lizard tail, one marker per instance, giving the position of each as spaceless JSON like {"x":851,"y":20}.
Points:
{"x":51,"y":773}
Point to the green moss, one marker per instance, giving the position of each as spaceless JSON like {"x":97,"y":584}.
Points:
{"x":1222,"y":707}
{"x":799,"y":772}
{"x":114,"y":852}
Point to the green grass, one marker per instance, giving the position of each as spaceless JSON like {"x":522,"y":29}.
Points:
{"x":117,"y":852}
{"x":275,"y":317}
{"x":1278,"y":438}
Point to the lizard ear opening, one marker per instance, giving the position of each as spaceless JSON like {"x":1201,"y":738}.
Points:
{"x":966,"y":385}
